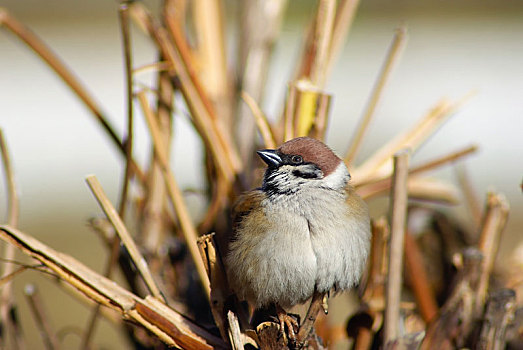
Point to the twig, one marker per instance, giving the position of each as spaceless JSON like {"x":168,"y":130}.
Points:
{"x":471,"y":199}
{"x":319,"y":127}
{"x":417,"y":276}
{"x":154,"y":226}
{"x":128,"y":145}
{"x":393,"y":55}
{"x":499,"y":315}
{"x":260,"y":23}
{"x":344,"y":18}
{"x":322,"y":39}
{"x":128,"y":141}
{"x":187,"y":226}
{"x":369,"y":190}
{"x":42,"y":322}
{"x":13,"y":209}
{"x":288,"y":114}
{"x":455,"y":320}
{"x":312,"y":313}
{"x":60,"y":68}
{"x":124,"y":235}
{"x":398,"y":209}
{"x":225,"y":155}
{"x":165,"y":323}
{"x":379,"y":164}
{"x":261,"y":121}
{"x":235,"y":335}
{"x":496,"y":214}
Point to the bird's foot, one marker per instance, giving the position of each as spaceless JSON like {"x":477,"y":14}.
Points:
{"x":287,"y":321}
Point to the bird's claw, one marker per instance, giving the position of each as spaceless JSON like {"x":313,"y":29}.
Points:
{"x":290,"y":322}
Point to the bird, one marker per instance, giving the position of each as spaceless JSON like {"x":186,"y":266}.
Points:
{"x":304,"y":231}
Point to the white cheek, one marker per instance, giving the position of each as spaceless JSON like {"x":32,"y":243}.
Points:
{"x":338,"y":178}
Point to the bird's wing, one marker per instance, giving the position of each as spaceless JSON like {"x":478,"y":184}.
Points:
{"x":245,"y":204}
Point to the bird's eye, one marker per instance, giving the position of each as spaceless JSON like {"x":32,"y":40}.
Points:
{"x":297,"y":159}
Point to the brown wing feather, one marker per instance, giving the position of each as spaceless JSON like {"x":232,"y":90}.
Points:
{"x":244,"y":206}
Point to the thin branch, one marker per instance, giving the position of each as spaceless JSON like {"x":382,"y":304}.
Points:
{"x":128,"y":144}
{"x":261,"y":121}
{"x":417,"y":275}
{"x":13,"y":210}
{"x":471,"y":199}
{"x":494,"y":221}
{"x":379,"y":165}
{"x":165,"y":323}
{"x":393,"y":55}
{"x":42,"y":322}
{"x":398,"y":208}
{"x":288,"y":121}
{"x":322,"y":40}
{"x":187,"y":226}
{"x":342,"y":24}
{"x":69,"y":78}
{"x":369,"y":190}
{"x":124,"y":235}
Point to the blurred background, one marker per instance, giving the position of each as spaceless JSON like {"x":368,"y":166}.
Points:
{"x":454,"y":47}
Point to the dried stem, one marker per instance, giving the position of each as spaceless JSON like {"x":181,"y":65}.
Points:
{"x":471,"y":199}
{"x":499,"y":315}
{"x":128,"y":141}
{"x":288,"y":121}
{"x":165,"y":323}
{"x":322,"y":39}
{"x":312,"y":313}
{"x":379,"y":164}
{"x":60,"y":68}
{"x":124,"y":235}
{"x":344,"y":18}
{"x":398,"y":215}
{"x":261,"y":121}
{"x":417,"y":276}
{"x":393,"y":55}
{"x":128,"y":145}
{"x":13,"y":209}
{"x":187,"y":226}
{"x":235,"y":335}
{"x":494,"y":221}
{"x":369,"y":190}
{"x":42,"y":321}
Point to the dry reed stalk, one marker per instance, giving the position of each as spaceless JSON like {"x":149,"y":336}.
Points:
{"x":153,"y":225}
{"x":224,"y":155}
{"x":494,"y":221}
{"x":235,"y":335}
{"x":450,"y":329}
{"x":372,"y":189}
{"x":124,"y":236}
{"x":379,"y":164}
{"x":128,"y":145}
{"x":211,"y":55}
{"x":398,"y":209}
{"x":220,"y":289}
{"x":69,"y":78}
{"x":175,"y":195}
{"x":417,"y":276}
{"x":288,"y":114}
{"x":166,"y":324}
{"x":342,"y":23}
{"x":40,"y":315}
{"x":260,"y":23}
{"x":499,"y":314}
{"x":471,"y":199}
{"x":322,"y":40}
{"x":393,"y":56}
{"x":13,"y":209}
{"x":261,"y":121}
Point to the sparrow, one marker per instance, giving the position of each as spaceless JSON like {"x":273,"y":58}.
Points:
{"x":304,"y":231}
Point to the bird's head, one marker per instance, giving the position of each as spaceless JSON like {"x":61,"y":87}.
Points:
{"x":301,"y":163}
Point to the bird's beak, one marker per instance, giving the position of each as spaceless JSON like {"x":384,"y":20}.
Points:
{"x":270,"y":157}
